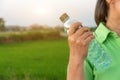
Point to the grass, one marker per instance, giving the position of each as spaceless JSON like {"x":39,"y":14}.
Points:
{"x":34,"y":60}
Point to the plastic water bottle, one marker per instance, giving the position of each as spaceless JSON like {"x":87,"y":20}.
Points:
{"x":67,"y":21}
{"x":98,"y":57}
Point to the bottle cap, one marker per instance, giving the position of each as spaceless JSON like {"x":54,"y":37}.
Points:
{"x":64,"y":17}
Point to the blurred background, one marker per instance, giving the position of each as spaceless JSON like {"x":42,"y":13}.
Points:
{"x":33,"y":44}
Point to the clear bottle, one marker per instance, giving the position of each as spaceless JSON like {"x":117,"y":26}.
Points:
{"x":67,"y":21}
{"x":96,"y":54}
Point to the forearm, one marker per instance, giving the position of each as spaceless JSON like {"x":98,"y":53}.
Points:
{"x":78,"y":42}
{"x":75,"y":69}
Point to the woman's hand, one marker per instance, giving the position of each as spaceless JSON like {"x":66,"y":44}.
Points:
{"x":78,"y":42}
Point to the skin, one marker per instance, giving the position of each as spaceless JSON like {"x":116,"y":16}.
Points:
{"x":79,"y":41}
{"x":113,"y":22}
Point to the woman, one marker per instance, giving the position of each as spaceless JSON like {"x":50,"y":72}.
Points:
{"x":82,"y":65}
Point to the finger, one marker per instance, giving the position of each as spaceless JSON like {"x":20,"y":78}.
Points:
{"x":84,"y":39}
{"x":88,"y":39}
{"x":81,"y":31}
{"x":74,"y":27}
{"x":86,"y":34}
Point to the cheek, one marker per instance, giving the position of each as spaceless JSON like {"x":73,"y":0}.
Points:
{"x":117,"y":6}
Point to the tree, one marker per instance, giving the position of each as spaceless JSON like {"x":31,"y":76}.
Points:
{"x":2,"y":24}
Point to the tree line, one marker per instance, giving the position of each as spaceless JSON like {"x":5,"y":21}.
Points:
{"x":2,"y":24}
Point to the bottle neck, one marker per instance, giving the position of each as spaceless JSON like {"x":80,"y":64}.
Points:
{"x":66,"y":19}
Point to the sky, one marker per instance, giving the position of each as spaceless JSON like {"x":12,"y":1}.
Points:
{"x":46,"y":12}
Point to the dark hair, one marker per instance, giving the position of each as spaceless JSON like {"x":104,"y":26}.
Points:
{"x":101,"y":11}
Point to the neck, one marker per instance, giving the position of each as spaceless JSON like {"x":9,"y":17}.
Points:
{"x":113,"y":24}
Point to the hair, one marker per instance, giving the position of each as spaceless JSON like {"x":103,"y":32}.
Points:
{"x":101,"y":11}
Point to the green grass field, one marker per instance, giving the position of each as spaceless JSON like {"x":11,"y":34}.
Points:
{"x":34,"y":60}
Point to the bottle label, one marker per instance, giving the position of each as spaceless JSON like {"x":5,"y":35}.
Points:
{"x":98,"y":57}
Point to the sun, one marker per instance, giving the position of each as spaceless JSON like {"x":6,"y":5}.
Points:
{"x":42,"y":11}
